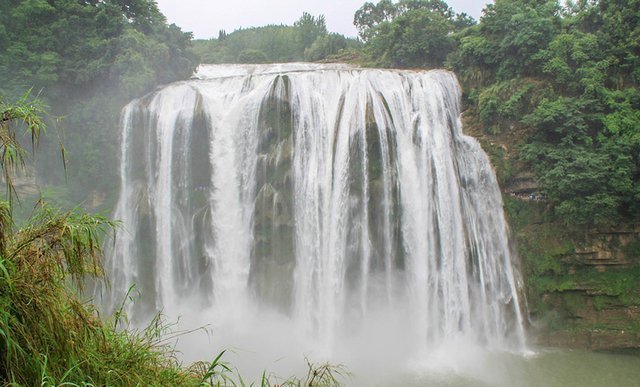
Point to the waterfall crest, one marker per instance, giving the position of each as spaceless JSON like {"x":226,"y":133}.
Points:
{"x":335,"y":196}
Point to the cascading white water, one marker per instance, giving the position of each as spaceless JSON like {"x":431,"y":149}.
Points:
{"x":347,"y":201}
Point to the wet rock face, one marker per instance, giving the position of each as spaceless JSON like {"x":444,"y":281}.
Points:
{"x":595,"y":340}
{"x":272,"y":256}
{"x":593,"y":300}
{"x":608,"y":248}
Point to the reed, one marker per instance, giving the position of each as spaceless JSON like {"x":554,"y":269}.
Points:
{"x":49,"y":337}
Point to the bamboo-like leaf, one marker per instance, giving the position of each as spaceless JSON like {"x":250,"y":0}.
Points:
{"x":27,"y":112}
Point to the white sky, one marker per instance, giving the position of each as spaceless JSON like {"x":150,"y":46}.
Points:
{"x":206,"y":17}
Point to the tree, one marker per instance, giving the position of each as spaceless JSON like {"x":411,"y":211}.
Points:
{"x":410,"y":33}
{"x":368,"y":17}
{"x":309,"y":28}
{"x":506,"y":42}
{"x":88,"y":58}
{"x":564,"y":81}
{"x":327,"y":45}
{"x":252,"y":56}
{"x":372,"y":15}
{"x":417,"y":38}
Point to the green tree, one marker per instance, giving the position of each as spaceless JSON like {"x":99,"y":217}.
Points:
{"x":89,"y":58}
{"x":327,"y":45}
{"x":565,"y":80}
{"x":309,"y":28}
{"x":372,"y":15}
{"x":252,"y":56}
{"x":409,"y":33}
{"x":307,"y":39}
{"x":505,"y":43}
{"x":417,"y":38}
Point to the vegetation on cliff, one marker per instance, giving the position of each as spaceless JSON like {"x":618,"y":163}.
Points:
{"x":409,"y":33}
{"x":558,"y":87}
{"x":563,"y":78}
{"x":87,"y":59}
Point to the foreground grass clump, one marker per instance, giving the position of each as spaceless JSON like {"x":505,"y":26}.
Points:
{"x":47,"y":336}
{"x":220,"y":373}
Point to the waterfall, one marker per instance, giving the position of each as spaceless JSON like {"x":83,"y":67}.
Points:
{"x":346,"y":200}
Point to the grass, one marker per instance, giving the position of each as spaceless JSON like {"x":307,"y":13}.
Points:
{"x":47,"y":336}
{"x":220,"y":373}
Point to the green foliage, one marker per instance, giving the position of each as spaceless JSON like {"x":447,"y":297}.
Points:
{"x":327,"y":45}
{"x":212,"y":51}
{"x":417,"y":38}
{"x":278,"y":42}
{"x":75,"y":43}
{"x":571,"y":57}
{"x":542,"y":248}
{"x":370,"y":16}
{"x":252,"y":56}
{"x":566,"y":79}
{"x":564,"y":290}
{"x":26,"y":114}
{"x":410,"y":33}
{"x":582,"y":182}
{"x":307,"y":39}
{"x":309,"y":28}
{"x":503,"y":104}
{"x":47,"y":336}
{"x":620,"y":283}
{"x":88,"y":58}
{"x":585,"y":152}
{"x":505,"y":42}
{"x":632,"y":251}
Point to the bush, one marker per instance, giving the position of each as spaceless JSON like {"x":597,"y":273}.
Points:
{"x":252,"y":56}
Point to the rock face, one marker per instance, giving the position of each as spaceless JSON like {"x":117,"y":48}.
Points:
{"x":592,"y":301}
{"x":607,"y":248}
{"x":583,"y":291}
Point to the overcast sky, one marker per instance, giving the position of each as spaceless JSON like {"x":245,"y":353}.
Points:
{"x":206,"y":17}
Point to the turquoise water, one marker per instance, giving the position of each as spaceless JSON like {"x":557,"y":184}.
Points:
{"x":458,"y":365}
{"x":544,"y":367}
